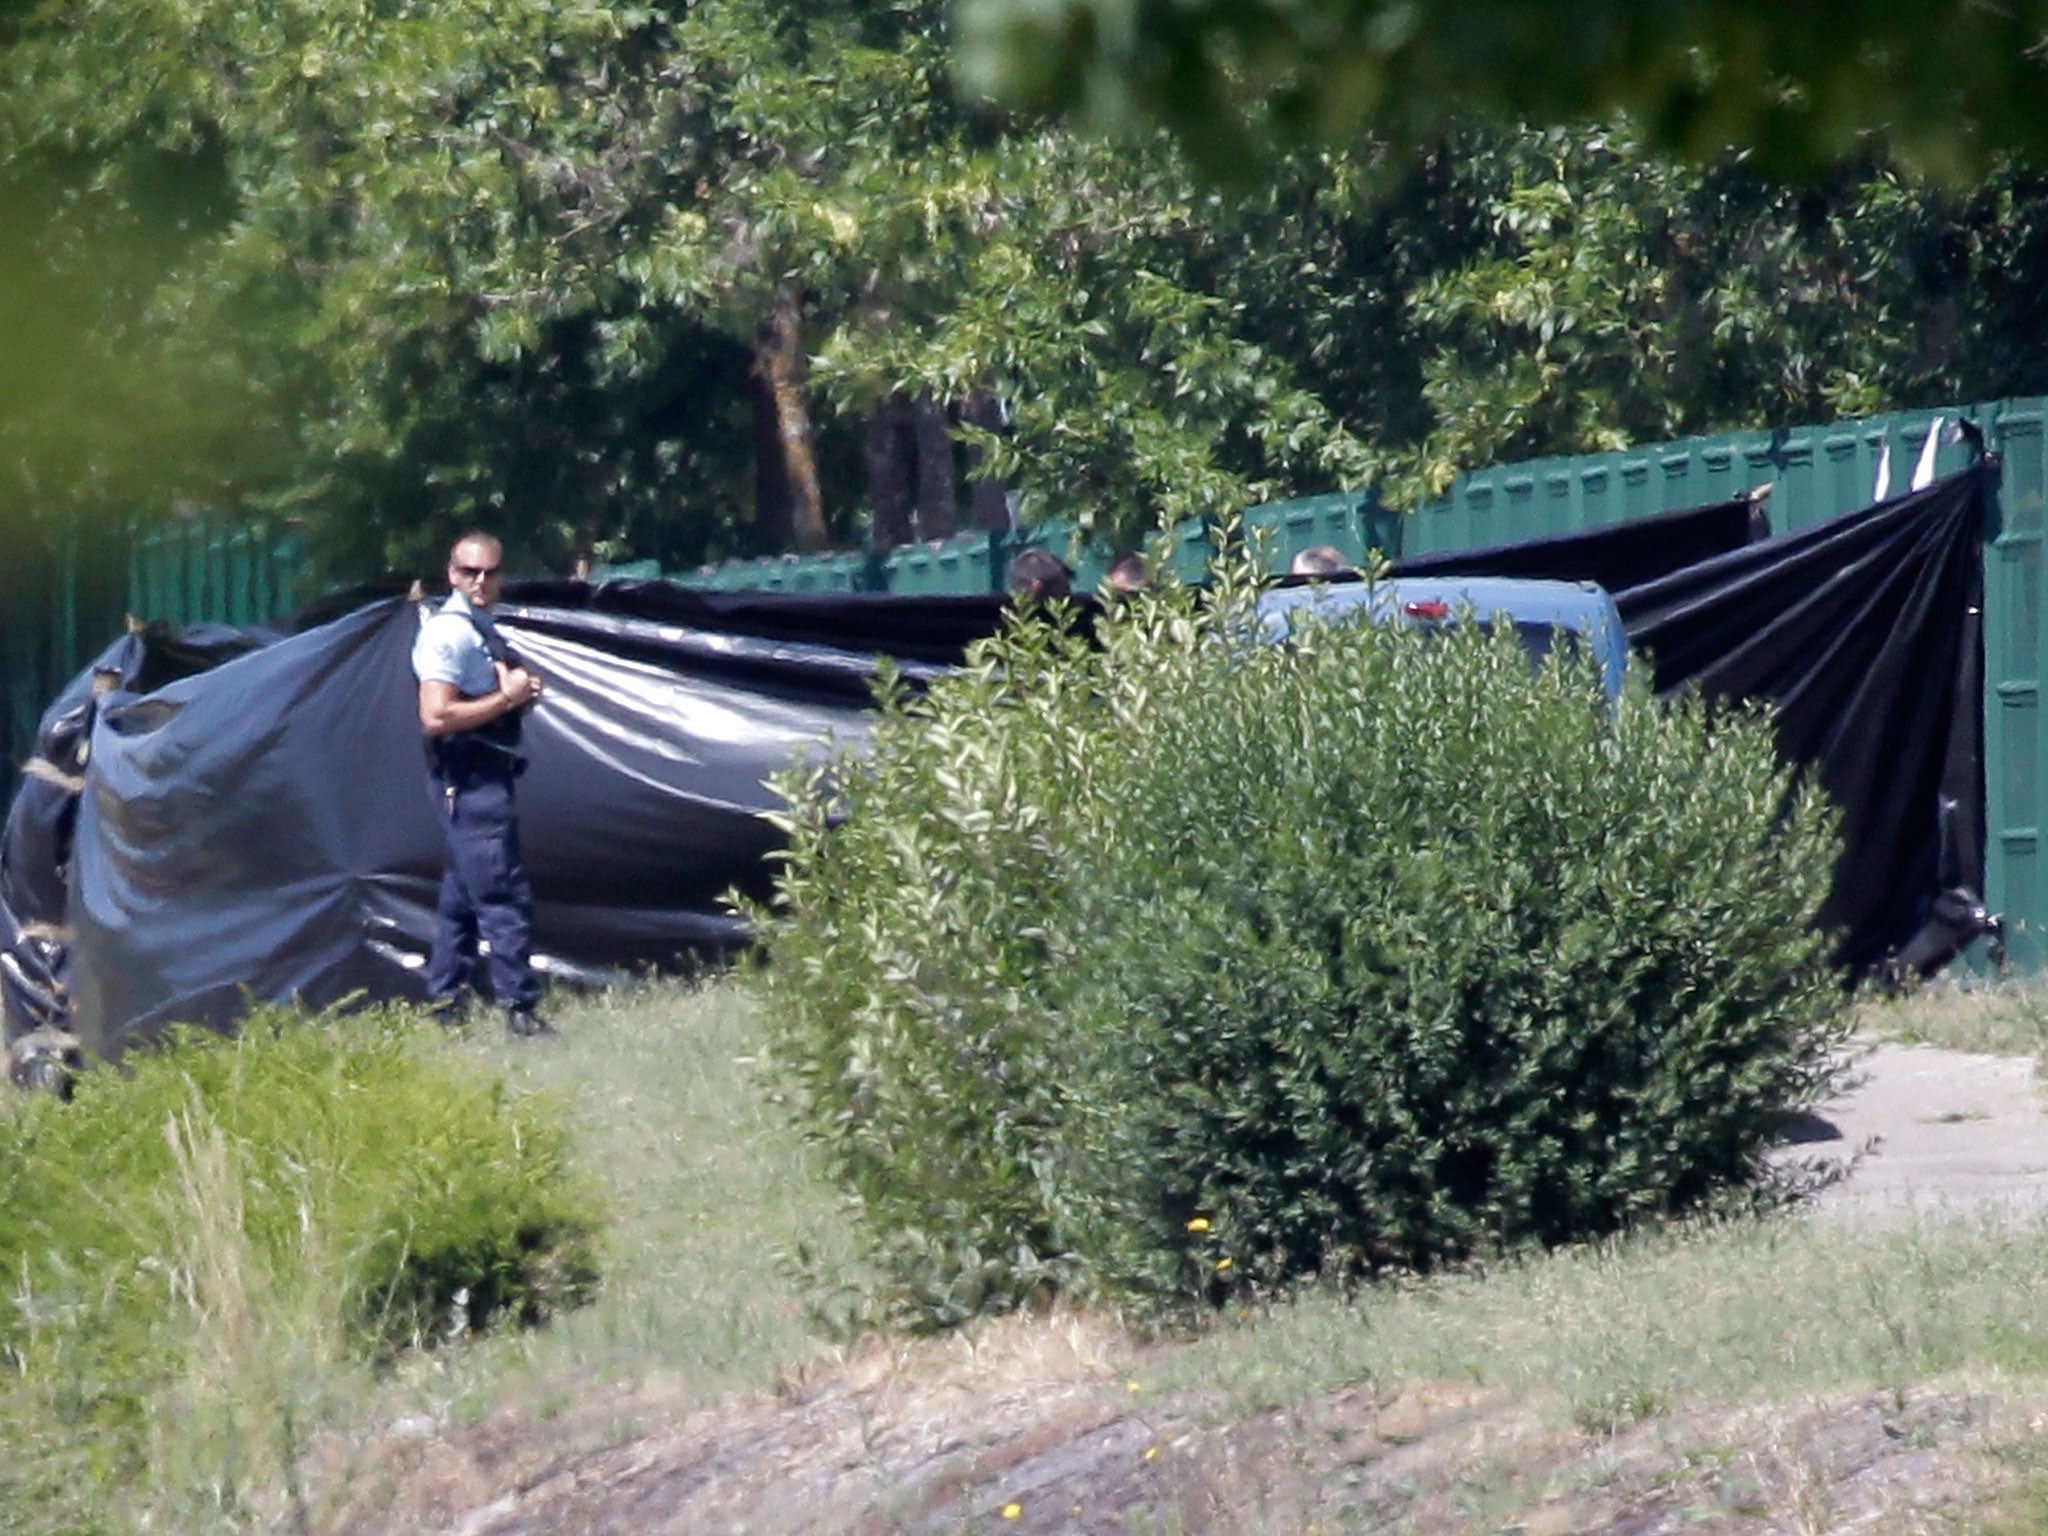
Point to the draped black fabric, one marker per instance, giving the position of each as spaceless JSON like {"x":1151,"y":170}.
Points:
{"x":927,"y":628}
{"x":267,"y":829}
{"x":36,"y":839}
{"x":1618,"y":558}
{"x":264,"y":827}
{"x":1866,"y":632}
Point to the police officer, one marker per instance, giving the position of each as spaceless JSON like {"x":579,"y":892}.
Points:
{"x":473,"y":693}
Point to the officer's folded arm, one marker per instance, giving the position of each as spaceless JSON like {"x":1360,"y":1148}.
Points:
{"x":444,"y":711}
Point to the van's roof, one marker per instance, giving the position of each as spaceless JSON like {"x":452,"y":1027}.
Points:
{"x":1577,"y":607}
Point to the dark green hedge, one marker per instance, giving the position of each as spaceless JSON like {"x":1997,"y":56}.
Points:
{"x":1187,"y":961}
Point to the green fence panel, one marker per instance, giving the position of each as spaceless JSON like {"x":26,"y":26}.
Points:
{"x":61,"y":604}
{"x":204,"y":571}
{"x":965,"y":563}
{"x":2013,"y":720}
{"x":976,"y":562}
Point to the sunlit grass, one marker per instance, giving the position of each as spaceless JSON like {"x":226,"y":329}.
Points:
{"x":1754,"y":1309}
{"x":709,"y":1192}
{"x":2004,"y":1017}
{"x":712,"y":1195}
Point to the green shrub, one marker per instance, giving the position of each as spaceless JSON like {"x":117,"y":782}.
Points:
{"x":1185,"y":962}
{"x":329,"y":1187}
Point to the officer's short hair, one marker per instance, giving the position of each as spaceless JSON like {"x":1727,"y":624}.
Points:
{"x":1041,"y":574}
{"x":476,"y":536}
{"x":1127,"y":573}
{"x":1319,"y":560}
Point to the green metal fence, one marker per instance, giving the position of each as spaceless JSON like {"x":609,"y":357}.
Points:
{"x":59,"y":607}
{"x":65,"y":597}
{"x":60,"y":602}
{"x":206,"y":571}
{"x":977,"y":562}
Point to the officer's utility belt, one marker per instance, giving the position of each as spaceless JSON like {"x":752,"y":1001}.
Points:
{"x":489,"y":752}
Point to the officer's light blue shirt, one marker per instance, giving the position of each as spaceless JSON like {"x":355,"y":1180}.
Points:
{"x":449,"y":650}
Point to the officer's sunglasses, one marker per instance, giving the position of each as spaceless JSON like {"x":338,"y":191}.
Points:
{"x":475,"y":572}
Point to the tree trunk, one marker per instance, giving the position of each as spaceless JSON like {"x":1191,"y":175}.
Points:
{"x":787,"y":499}
{"x":888,"y":458}
{"x":989,"y":500}
{"x":938,"y":495}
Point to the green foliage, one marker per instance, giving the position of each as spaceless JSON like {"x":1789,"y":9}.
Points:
{"x":1185,"y":962}
{"x":333,"y":1181}
{"x":909,"y":986}
{"x":508,"y":261}
{"x":1797,"y":87}
{"x":1614,"y":298}
{"x":512,"y":262}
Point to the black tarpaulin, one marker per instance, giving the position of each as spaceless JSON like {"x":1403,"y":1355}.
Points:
{"x":1866,"y":632}
{"x":36,"y":839}
{"x":1618,"y":558}
{"x":265,"y":828}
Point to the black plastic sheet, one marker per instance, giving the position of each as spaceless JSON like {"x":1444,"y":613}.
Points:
{"x":264,"y":828}
{"x":36,"y":839}
{"x":1866,"y":632}
{"x":267,"y":829}
{"x":1618,"y":558}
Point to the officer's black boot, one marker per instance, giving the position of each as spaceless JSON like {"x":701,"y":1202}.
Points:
{"x":525,"y":1024}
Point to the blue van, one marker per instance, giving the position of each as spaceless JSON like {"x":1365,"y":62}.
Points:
{"x":1539,"y":610}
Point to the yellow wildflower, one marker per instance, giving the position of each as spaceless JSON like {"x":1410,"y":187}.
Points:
{"x":1151,"y":1453}
{"x":1013,"y":1511}
{"x":1223,"y":1264}
{"x":1199,"y":1224}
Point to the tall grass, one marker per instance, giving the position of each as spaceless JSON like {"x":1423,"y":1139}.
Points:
{"x":717,"y":1216}
{"x":204,"y":1252}
{"x":2003,"y":1017}
{"x":708,"y":1200}
{"x":710,"y":1195}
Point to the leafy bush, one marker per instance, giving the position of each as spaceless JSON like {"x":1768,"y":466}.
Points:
{"x":344,"y":1182}
{"x":1183,"y":961}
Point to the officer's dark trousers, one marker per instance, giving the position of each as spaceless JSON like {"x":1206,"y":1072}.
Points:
{"x":484,"y":894}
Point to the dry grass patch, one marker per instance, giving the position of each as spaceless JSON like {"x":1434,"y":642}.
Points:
{"x":2005,"y":1017}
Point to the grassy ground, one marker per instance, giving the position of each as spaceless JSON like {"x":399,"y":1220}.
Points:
{"x":713,"y":1201}
{"x":1770,"y":1307}
{"x":712,"y":1190}
{"x":711,"y":1196}
{"x":2000,"y":1018}
{"x":1751,"y":1309}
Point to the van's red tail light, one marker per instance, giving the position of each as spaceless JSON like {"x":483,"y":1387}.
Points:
{"x":1428,"y":608}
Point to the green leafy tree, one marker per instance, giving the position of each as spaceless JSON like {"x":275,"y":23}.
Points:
{"x":688,"y":282}
{"x":1949,"y":86}
{"x":1616,"y":297}
{"x":567,"y":271}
